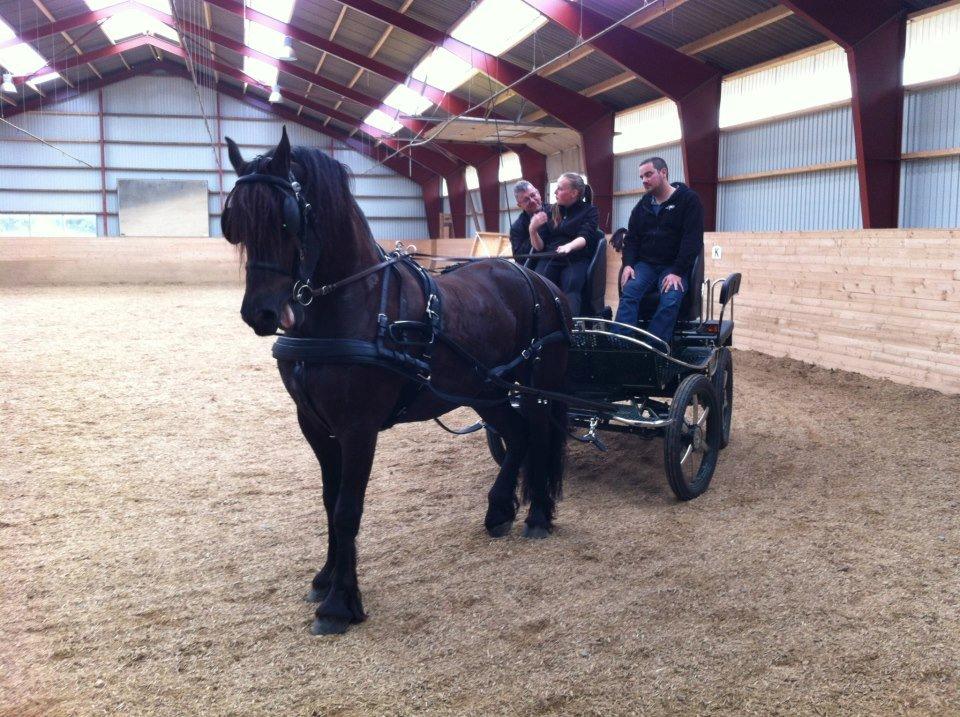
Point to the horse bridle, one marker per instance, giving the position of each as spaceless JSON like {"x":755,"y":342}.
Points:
{"x":297,"y":215}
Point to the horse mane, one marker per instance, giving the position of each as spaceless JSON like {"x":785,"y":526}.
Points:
{"x":326,"y":182}
{"x":326,"y":187}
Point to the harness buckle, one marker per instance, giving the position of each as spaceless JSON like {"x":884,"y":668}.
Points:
{"x":431,"y":312}
{"x":303,"y":293}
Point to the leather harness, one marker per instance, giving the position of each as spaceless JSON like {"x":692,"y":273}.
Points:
{"x":403,"y":346}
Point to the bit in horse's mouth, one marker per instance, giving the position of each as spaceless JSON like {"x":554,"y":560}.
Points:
{"x":287,"y":318}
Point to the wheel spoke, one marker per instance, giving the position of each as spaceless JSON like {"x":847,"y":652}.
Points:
{"x":703,"y":416}
{"x":686,"y":454}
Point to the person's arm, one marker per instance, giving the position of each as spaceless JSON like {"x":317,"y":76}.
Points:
{"x":631,"y":246}
{"x":519,"y":238}
{"x":583,"y":230}
{"x":691,"y":239}
{"x":537,"y":221}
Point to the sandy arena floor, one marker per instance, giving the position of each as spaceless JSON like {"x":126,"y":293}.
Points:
{"x":161,"y":520}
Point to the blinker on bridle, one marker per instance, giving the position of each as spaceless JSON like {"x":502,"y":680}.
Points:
{"x":296,"y":214}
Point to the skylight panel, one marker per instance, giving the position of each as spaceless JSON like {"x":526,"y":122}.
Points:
{"x":260,"y":71}
{"x":443,"y":70}
{"x":130,"y":23}
{"x":407,"y":101}
{"x":263,"y":39}
{"x":281,"y":10}
{"x":382,"y":121}
{"x":22,"y":59}
{"x":495,"y":26}
{"x":931,"y":51}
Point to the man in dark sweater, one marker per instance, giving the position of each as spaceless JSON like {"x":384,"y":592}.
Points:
{"x":664,"y":238}
{"x":530,"y":203}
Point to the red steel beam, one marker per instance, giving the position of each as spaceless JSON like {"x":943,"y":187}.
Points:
{"x":533,"y":167}
{"x":457,"y":194}
{"x":873,"y":34}
{"x":692,"y":84}
{"x":568,"y":106}
{"x":433,"y":205}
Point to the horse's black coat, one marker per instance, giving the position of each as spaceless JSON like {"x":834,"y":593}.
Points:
{"x":490,"y":311}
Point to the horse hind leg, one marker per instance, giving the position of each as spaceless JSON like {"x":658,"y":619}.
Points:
{"x":544,"y":464}
{"x":502,"y":502}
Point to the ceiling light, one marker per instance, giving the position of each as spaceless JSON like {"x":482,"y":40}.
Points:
{"x":8,"y":85}
{"x":288,"y":53}
{"x":275,"y":95}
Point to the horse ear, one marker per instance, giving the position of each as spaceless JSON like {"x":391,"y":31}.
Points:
{"x":233,"y":152}
{"x":280,"y":163}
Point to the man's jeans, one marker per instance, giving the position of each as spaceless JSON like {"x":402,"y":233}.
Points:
{"x":646,"y":277}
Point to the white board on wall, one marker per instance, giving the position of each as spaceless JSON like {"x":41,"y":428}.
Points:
{"x":163,"y":207}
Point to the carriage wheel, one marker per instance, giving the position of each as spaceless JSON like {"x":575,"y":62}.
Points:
{"x":723,"y":383}
{"x":692,"y":441}
{"x":498,"y":449}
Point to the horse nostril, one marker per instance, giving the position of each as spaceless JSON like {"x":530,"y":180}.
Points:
{"x":264,"y":322}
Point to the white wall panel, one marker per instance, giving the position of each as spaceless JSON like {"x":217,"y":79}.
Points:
{"x":16,"y":202}
{"x":156,"y":129}
{"x":38,"y":154}
{"x":816,"y":138}
{"x":392,"y":207}
{"x":930,"y":193}
{"x":626,"y":175}
{"x":83,"y":103}
{"x":43,"y":178}
{"x":931,"y":118}
{"x":164,"y":157}
{"x":158,"y":96}
{"x":53,"y":128}
{"x":394,"y":202}
{"x":113,"y":175}
{"x":798,"y":202}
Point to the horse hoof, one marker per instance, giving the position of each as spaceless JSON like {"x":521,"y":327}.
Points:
{"x":498,"y":531}
{"x":329,"y":626}
{"x":535,"y":532}
{"x":315,"y":595}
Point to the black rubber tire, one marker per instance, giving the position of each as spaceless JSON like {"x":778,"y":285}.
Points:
{"x":496,"y":445}
{"x":678,"y":437}
{"x":723,"y":383}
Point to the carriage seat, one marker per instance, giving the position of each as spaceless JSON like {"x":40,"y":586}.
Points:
{"x":691,"y":307}
{"x":595,"y":287}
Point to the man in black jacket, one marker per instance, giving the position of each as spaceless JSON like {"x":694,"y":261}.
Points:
{"x":530,"y":203}
{"x":664,"y":238}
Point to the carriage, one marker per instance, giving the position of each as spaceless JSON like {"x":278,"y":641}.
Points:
{"x":624,"y":379}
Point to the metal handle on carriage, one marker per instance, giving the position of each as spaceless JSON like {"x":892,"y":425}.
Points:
{"x":667,"y":357}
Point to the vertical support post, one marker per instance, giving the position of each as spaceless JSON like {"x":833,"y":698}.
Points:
{"x":597,"y":145}
{"x":219,"y":149}
{"x":103,"y":165}
{"x":489,"y":174}
{"x":533,"y":167}
{"x":457,"y":192}
{"x":876,"y":66}
{"x":433,"y":205}
{"x":700,"y":130}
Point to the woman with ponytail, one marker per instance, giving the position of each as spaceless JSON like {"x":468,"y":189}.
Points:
{"x":572,"y":231}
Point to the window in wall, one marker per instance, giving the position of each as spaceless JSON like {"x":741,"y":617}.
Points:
{"x":649,"y":125}
{"x":473,"y":179}
{"x":810,"y":81}
{"x":48,"y":225}
{"x":932,"y":47}
{"x":509,"y":167}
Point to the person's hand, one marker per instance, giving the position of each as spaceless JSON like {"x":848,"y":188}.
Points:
{"x":538,"y":220}
{"x":564,"y":249}
{"x":626,"y":276}
{"x":671,"y":281}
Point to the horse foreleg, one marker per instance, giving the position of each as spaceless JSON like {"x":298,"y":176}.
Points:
{"x":502,"y":502}
{"x":328,"y":455}
{"x":342,"y":604}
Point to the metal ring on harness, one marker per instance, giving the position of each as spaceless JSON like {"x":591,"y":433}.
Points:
{"x":303,"y":293}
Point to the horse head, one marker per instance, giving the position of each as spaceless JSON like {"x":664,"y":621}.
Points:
{"x":265,"y":216}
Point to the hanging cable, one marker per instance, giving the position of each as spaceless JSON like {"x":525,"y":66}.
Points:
{"x":43,"y":141}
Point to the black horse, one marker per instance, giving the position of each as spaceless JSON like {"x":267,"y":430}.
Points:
{"x":371,"y":340}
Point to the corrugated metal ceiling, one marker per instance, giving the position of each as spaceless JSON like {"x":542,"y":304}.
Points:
{"x":688,"y":22}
